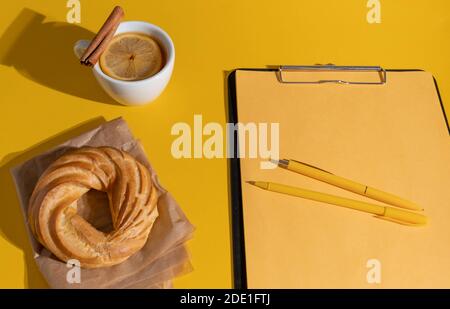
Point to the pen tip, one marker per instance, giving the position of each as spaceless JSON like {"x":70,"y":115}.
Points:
{"x":251,"y":182}
{"x":281,"y":163}
{"x":276,"y":162}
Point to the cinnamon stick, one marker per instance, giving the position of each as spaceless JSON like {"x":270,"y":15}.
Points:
{"x":102,"y":38}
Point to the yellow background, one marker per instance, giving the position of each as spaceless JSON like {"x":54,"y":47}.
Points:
{"x":45,"y":92}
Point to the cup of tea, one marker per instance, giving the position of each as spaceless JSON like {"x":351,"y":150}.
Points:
{"x":137,"y":65}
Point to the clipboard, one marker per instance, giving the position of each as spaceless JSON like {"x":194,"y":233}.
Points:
{"x":295,"y":80}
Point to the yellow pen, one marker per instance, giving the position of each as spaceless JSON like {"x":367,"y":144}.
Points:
{"x":389,"y":213}
{"x":346,"y":184}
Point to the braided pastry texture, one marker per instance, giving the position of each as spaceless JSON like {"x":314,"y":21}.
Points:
{"x":52,"y":212}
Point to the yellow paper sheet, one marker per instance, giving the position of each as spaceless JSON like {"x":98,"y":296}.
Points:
{"x":392,"y":137}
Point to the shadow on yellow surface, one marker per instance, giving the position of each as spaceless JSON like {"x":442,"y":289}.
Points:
{"x":12,"y":226}
{"x":43,"y":52}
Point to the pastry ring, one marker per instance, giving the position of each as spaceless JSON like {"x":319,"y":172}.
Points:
{"x":132,"y":195}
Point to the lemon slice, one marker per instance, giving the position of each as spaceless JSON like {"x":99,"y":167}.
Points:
{"x":132,"y":56}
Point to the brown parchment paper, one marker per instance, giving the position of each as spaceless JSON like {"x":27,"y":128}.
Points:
{"x":163,"y":257}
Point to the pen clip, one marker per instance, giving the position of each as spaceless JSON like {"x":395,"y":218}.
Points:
{"x":317,"y":168}
{"x":397,"y":221}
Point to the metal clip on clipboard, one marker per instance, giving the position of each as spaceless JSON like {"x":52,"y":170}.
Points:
{"x":332,"y":68}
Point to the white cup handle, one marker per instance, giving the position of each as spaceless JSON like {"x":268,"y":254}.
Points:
{"x":79,"y":47}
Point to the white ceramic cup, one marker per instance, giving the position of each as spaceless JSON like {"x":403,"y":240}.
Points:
{"x":137,"y":92}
